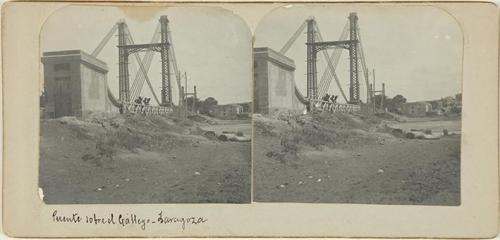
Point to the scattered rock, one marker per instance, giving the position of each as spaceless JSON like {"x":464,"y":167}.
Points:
{"x":127,"y":179}
{"x":223,"y":138}
{"x":117,"y":185}
{"x":309,"y":176}
{"x":445,"y":132}
{"x":272,"y":154}
{"x":397,"y":131}
{"x":300,"y":182}
{"x":319,"y":180}
{"x":197,"y":173}
{"x":380,"y":170}
{"x":210,"y":135}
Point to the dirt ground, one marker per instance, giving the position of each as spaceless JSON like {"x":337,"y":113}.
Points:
{"x":137,"y":159}
{"x":352,"y":159}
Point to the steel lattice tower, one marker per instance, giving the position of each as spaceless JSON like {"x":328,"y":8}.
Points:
{"x":353,"y":59}
{"x":166,"y":92}
{"x":123,"y":76}
{"x":312,"y":89}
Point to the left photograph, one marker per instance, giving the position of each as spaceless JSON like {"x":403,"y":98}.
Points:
{"x":145,"y":105}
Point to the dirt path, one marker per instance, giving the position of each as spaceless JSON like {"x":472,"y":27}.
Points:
{"x":204,"y":172}
{"x":401,"y":172}
{"x":437,"y":126}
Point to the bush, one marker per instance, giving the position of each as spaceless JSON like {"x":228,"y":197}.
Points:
{"x":263,"y":128}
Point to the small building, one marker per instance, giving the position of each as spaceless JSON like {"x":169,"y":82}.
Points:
{"x":246,"y":110}
{"x":416,"y":109}
{"x":75,"y":84}
{"x":274,"y":84}
{"x":228,"y":111}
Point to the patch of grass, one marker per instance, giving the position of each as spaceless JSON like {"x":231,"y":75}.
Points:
{"x":264,"y":128}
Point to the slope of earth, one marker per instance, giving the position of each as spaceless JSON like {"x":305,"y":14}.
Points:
{"x":139,"y":159}
{"x":341,"y":158}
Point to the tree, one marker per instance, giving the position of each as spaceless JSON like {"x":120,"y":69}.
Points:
{"x":398,"y":100}
{"x":208,"y":105}
{"x":198,"y":103}
{"x":394,"y":104}
{"x":378,"y":100}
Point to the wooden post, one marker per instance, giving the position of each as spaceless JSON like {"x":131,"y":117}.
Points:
{"x":374,"y":90}
{"x":194,"y":100}
{"x":383,"y":97}
{"x":185,"y":90}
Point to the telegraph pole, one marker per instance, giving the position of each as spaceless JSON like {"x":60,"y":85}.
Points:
{"x":383,"y":97}
{"x":374,"y":90}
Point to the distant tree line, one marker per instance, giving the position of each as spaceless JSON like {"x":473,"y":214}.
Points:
{"x":392,"y":104}
{"x":203,"y":107}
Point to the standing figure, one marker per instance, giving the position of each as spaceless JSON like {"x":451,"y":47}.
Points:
{"x":325,"y":99}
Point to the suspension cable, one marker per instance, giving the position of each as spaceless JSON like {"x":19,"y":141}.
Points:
{"x":174,"y":63}
{"x":293,"y":38}
{"x":139,"y":78}
{"x":363,"y":64}
{"x":330,"y":71}
{"x":104,"y":41}
{"x":147,"y":60}
{"x":98,"y":50}
{"x":327,"y":74}
{"x":141,"y":66}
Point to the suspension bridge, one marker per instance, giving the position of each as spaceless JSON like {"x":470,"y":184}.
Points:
{"x":350,"y":40}
{"x":161,"y":42}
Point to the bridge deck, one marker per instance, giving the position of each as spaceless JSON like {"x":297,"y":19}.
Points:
{"x":335,"y":107}
{"x":145,"y":109}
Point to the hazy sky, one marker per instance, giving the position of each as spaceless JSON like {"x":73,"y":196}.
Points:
{"x":416,"y":51}
{"x":212,"y":45}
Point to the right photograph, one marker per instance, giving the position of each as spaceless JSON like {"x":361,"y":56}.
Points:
{"x":357,"y":104}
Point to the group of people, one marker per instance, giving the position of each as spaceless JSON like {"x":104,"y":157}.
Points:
{"x":328,"y":98}
{"x":142,"y":100}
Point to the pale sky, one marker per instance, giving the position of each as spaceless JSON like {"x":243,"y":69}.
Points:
{"x":211,"y":44}
{"x":416,"y":51}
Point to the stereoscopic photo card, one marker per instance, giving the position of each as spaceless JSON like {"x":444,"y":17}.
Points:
{"x":373,"y":119}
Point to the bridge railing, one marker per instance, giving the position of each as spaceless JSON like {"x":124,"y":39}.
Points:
{"x":145,"y":109}
{"x":335,"y":107}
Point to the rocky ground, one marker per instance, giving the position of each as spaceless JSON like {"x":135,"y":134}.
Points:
{"x":342,"y":158}
{"x":139,"y":159}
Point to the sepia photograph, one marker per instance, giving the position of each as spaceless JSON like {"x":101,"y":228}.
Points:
{"x":359,"y":119}
{"x":358,"y":105}
{"x":145,"y":105}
